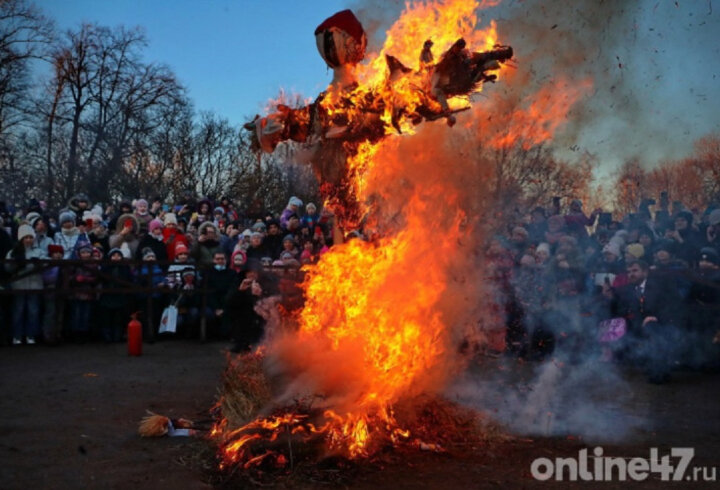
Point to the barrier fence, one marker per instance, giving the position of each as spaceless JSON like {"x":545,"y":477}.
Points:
{"x":114,"y":285}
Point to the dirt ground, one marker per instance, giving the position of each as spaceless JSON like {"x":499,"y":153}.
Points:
{"x":70,"y":414}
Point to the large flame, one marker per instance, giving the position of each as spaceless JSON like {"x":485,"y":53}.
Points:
{"x":383,"y":319}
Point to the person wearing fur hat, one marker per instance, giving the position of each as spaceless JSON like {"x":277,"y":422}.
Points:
{"x":78,"y":204}
{"x":68,"y":235}
{"x":154,"y":240}
{"x":26,"y":306}
{"x":126,"y":235}
{"x":124,"y":207}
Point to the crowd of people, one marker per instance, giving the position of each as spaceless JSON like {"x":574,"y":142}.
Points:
{"x":166,"y":254}
{"x":644,"y":290}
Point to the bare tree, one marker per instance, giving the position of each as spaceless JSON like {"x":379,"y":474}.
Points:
{"x":24,"y":36}
{"x":106,"y":103}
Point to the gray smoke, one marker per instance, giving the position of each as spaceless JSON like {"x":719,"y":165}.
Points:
{"x":589,"y":400}
{"x":655,"y":67}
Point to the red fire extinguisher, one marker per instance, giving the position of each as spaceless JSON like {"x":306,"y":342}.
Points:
{"x":134,"y":336}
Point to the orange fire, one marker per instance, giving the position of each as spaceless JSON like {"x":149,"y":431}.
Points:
{"x":383,"y":320}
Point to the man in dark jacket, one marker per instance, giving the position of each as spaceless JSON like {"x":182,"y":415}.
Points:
{"x":652,"y":309}
{"x":220,"y":279}
{"x":251,"y":286}
{"x":116,"y":275}
{"x":704,"y":315}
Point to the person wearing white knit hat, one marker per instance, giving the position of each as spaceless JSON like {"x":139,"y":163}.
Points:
{"x":26,"y":306}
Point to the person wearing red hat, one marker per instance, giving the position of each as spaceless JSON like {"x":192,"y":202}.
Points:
{"x":181,"y":263}
{"x":173,"y":236}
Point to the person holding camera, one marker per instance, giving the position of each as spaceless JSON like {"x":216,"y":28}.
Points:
{"x":576,"y":222}
{"x":252,"y":285}
{"x":126,"y":235}
{"x":207,"y":244}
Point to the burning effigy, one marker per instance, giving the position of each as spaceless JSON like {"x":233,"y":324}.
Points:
{"x":357,"y":368}
{"x":351,"y":117}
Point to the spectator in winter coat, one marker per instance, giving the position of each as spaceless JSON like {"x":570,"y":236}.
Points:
{"x":576,"y":222}
{"x":238,"y":259}
{"x":126,"y":236}
{"x":142,"y":215}
{"x":652,"y":309}
{"x":293,"y":207}
{"x":173,"y":278}
{"x":98,"y":234}
{"x":686,"y":238}
{"x":154,"y":240}
{"x":311,"y":217}
{"x":172,"y":235}
{"x":251,"y":285}
{"x":85,"y":278}
{"x":150,"y":275}
{"x":68,"y":235}
{"x":114,"y":306}
{"x":208,"y":242}
{"x":41,"y":228}
{"x":273,"y":240}
{"x":123,"y":208}
{"x":26,"y":306}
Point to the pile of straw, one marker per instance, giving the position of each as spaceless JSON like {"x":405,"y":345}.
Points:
{"x":245,"y":389}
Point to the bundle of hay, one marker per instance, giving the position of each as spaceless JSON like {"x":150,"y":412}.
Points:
{"x":245,"y":389}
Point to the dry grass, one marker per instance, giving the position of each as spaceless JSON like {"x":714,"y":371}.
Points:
{"x":245,"y":389}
